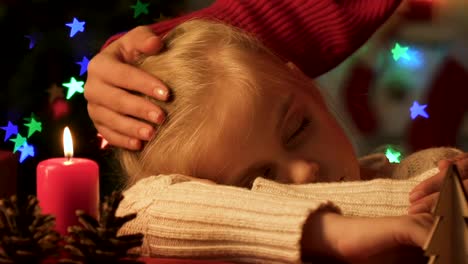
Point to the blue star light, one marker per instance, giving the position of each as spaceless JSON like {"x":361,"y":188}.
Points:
{"x":32,"y":41}
{"x":415,"y":60}
{"x":10,"y":130}
{"x":75,"y":27}
{"x":84,"y":65}
{"x":418,"y":110}
{"x":26,"y":151}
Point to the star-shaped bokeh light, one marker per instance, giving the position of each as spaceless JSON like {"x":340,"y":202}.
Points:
{"x":33,"y":126}
{"x":32,"y":41}
{"x":393,"y":155}
{"x":400,"y":52}
{"x":418,"y":110}
{"x":139,"y":8}
{"x":104,"y":142}
{"x":84,"y":65}
{"x":55,"y":92}
{"x":76,"y":26}
{"x":26,"y":151}
{"x":33,"y":38}
{"x":73,"y":86}
{"x":19,"y":141}
{"x":10,"y":130}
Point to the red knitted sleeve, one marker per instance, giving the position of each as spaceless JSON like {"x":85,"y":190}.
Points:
{"x":316,"y":35}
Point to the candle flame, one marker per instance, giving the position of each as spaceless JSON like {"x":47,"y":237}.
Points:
{"x":67,"y":143}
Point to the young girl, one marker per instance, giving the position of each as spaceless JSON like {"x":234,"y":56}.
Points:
{"x":316,"y":35}
{"x":271,"y":158}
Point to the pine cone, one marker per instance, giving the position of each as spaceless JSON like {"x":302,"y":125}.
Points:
{"x":97,"y":241}
{"x":26,"y":235}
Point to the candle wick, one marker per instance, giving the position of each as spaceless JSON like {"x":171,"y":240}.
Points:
{"x":69,"y":157}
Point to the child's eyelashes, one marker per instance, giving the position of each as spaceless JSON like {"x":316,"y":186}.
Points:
{"x":299,"y":129}
{"x":268,"y":173}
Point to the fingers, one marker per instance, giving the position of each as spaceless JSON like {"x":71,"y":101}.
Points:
{"x":428,"y":186}
{"x":424,"y":205}
{"x":434,"y":183}
{"x":110,"y":73}
{"x":462,"y":165}
{"x":118,"y":140}
{"x":427,"y":203}
{"x":123,"y":75}
{"x":137,"y":42}
{"x":113,"y":65}
{"x":133,"y":46}
{"x":122,"y":124}
{"x":122,"y":102}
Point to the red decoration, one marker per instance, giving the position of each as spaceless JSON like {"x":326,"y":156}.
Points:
{"x":60,"y":108}
{"x":67,"y":184}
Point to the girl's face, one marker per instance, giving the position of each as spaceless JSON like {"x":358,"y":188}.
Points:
{"x":287,"y":135}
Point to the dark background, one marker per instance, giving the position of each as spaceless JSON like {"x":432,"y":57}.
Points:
{"x":27,"y":74}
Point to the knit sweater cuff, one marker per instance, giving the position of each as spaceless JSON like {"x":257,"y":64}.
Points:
{"x":198,"y":220}
{"x":373,"y":198}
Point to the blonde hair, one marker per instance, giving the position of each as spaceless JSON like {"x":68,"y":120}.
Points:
{"x":200,"y":62}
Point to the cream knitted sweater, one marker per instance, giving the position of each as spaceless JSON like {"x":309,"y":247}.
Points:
{"x":184,"y":218}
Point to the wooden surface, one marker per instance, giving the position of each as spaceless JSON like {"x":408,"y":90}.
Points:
{"x":180,"y":261}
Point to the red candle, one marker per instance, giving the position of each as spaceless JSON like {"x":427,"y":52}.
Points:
{"x":67,"y":184}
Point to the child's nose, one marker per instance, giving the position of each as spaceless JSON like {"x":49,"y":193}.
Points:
{"x":302,"y":171}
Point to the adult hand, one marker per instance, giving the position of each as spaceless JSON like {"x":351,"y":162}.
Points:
{"x":361,"y":239}
{"x":424,"y":196}
{"x":111,"y":81}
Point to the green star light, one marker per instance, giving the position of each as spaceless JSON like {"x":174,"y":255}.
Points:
{"x":400,"y":52}
{"x":73,"y":86}
{"x":139,"y":8}
{"x":33,"y":126}
{"x":393,"y":156}
{"x":19,"y":142}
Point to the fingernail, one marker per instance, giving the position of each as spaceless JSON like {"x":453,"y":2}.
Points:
{"x":145,"y":132}
{"x":134,"y":143}
{"x":416,"y":196}
{"x":160,"y":92}
{"x":154,"y":116}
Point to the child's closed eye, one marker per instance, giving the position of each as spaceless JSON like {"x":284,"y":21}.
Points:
{"x":300,"y":127}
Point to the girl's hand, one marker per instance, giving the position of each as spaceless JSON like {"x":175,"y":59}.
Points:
{"x":361,"y":239}
{"x":111,"y":79}
{"x":424,"y":196}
